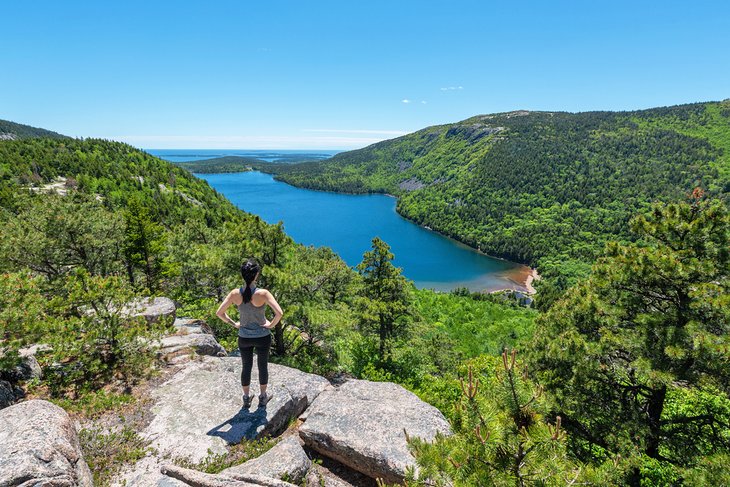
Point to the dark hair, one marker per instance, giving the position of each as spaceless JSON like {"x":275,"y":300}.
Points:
{"x":249,"y":270}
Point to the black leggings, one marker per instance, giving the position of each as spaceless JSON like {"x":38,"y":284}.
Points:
{"x":246,"y":346}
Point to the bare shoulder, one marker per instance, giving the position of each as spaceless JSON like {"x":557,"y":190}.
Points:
{"x":234,"y":296}
{"x":262,"y":292}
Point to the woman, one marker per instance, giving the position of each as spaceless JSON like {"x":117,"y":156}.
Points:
{"x":253,"y":328}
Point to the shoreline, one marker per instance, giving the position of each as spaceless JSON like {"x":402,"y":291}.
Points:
{"x":522,"y":276}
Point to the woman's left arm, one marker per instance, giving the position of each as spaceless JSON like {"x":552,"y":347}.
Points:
{"x":278,"y":313}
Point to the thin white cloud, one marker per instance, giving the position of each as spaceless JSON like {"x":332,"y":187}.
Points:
{"x":452,"y":88}
{"x":245,"y":141}
{"x":423,"y":102}
{"x":405,"y":100}
{"x":357,"y":131}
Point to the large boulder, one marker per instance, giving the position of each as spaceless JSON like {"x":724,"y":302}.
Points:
{"x":39,"y":447}
{"x":200,"y":343}
{"x":27,"y":368}
{"x":286,"y":459}
{"x":191,"y":326}
{"x":199,"y":410}
{"x":154,"y":310}
{"x":361,"y":424}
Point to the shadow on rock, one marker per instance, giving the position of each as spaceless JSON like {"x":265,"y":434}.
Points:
{"x":244,"y":425}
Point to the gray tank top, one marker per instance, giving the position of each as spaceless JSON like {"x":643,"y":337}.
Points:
{"x":251,"y":318}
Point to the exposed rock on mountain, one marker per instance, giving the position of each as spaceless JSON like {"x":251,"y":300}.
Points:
{"x":199,"y":410}
{"x":191,"y":325}
{"x":361,"y":424}
{"x":39,"y":447}
{"x":285,"y":460}
{"x":200,"y":343}
{"x":152,"y":309}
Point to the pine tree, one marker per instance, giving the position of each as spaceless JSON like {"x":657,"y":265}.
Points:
{"x":143,"y":245}
{"x":501,"y":435}
{"x":385,"y":297}
{"x":637,"y":355}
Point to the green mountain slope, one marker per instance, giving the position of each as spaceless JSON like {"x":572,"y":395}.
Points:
{"x":220,"y":164}
{"x":545,"y":188}
{"x":12,"y":131}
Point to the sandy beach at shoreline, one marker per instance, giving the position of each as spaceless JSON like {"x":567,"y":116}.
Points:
{"x":522,"y":277}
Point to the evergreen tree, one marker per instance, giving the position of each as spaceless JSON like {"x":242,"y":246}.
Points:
{"x":143,"y":244}
{"x":637,"y":355}
{"x":500,"y":435}
{"x":385,"y":297}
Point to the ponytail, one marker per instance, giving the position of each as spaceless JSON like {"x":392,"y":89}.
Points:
{"x":249,"y":271}
{"x":247,"y":293}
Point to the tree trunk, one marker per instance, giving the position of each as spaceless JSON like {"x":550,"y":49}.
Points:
{"x":279,"y":336}
{"x":383,"y":337}
{"x":655,"y":408}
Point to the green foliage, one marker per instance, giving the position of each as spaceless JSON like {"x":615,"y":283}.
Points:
{"x":473,"y":325}
{"x":384,"y":299}
{"x":94,"y":403}
{"x":236,"y":455}
{"x":143,"y":245}
{"x":21,"y":131}
{"x":637,"y":354}
{"x":23,"y":315}
{"x":53,"y":235}
{"x":107,"y":344}
{"x":500,"y":435}
{"x":106,"y":452}
{"x":548,"y":189}
{"x":219,"y":165}
{"x":91,"y":340}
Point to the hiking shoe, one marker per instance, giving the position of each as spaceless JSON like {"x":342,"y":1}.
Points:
{"x":264,"y":399}
{"x":247,"y":400}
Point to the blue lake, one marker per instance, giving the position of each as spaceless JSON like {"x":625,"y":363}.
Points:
{"x":348,"y":223}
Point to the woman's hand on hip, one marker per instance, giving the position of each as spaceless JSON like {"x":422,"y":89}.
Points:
{"x":267,"y":325}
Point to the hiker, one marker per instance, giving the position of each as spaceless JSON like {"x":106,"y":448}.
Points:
{"x":254,"y":329}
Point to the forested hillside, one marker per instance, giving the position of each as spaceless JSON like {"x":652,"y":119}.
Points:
{"x":11,"y":131}
{"x":543,"y":188}
{"x":628,"y":369}
{"x":219,"y":164}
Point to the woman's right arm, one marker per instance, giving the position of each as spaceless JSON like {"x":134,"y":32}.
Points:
{"x":221,"y":313}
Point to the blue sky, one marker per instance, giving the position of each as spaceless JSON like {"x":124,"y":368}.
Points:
{"x":338,"y":74}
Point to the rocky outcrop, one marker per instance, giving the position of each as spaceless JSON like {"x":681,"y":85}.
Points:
{"x":199,"y":410}
{"x":286,"y":459}
{"x":411,"y":184}
{"x":361,"y":424}
{"x":472,"y":132}
{"x":39,"y":447}
{"x":200,"y":343}
{"x":193,"y":337}
{"x":154,"y":310}
{"x":191,"y":326}
{"x":28,"y":368}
